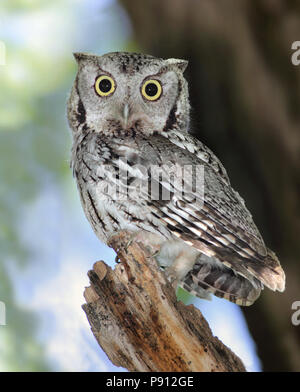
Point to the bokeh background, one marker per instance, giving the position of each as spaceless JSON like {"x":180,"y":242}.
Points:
{"x":245,"y":94}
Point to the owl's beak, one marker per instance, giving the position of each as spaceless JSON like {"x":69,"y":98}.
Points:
{"x":125,"y":114}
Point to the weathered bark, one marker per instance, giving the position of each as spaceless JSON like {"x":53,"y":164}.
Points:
{"x":138,"y":322}
{"x":245,"y":96}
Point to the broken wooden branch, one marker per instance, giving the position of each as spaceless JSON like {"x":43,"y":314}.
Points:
{"x":138,"y":322}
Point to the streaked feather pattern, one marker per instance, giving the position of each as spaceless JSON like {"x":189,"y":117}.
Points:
{"x":218,"y":225}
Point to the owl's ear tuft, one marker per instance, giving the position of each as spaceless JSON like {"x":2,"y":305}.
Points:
{"x":81,"y":56}
{"x":179,"y":63}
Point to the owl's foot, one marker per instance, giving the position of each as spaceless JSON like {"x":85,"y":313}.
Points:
{"x":151,"y":241}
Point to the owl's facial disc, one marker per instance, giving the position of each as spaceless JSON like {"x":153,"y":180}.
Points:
{"x":131,"y":94}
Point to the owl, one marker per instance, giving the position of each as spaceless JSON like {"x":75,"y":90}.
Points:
{"x":137,"y":168}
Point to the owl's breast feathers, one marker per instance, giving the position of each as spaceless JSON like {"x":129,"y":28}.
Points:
{"x":213,"y":220}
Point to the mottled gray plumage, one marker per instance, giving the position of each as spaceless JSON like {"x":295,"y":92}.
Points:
{"x":209,"y":241}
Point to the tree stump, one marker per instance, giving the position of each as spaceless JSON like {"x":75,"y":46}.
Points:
{"x":137,"y":320}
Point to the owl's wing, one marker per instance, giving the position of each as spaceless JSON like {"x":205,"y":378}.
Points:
{"x":216,"y":222}
{"x":200,"y":150}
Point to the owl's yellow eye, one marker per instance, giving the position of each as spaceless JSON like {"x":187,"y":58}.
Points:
{"x":151,"y":89}
{"x":105,"y":85}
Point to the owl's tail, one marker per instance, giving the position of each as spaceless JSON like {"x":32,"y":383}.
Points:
{"x":212,"y":276}
{"x":234,"y":277}
{"x":266,"y":269}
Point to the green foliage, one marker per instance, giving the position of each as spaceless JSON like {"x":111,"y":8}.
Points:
{"x":184,"y":296}
{"x":34,"y":146}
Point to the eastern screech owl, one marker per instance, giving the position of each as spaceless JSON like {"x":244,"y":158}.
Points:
{"x":129,"y":115}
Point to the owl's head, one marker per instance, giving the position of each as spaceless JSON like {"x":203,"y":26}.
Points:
{"x":128,"y":93}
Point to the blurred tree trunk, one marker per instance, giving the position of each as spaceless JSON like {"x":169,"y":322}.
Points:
{"x":245,"y":95}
